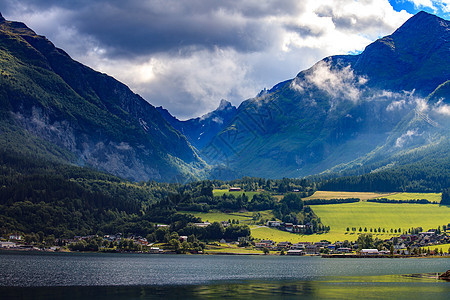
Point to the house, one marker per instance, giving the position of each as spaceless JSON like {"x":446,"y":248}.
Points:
{"x":7,"y":245}
{"x":265,"y":243}
{"x":295,"y":252}
{"x":298,"y":228}
{"x":428,"y":233}
{"x":289,"y":227}
{"x":15,"y":237}
{"x":369,"y":252}
{"x":155,"y":250}
{"x":281,"y":245}
{"x":273,"y":223}
{"x":311,"y":249}
{"x":222,"y":241}
{"x":142,"y":241}
{"x":321,"y":244}
{"x":204,"y":224}
{"x":225,"y":223}
{"x":270,"y":242}
{"x":234,"y":189}
{"x":331,"y":246}
{"x":298,"y":246}
{"x":343,"y":250}
{"x":161,"y":225}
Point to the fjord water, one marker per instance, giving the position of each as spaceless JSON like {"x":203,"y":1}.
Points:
{"x":140,"y":276}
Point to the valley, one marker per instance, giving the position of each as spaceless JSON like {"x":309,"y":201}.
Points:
{"x":354,"y":147}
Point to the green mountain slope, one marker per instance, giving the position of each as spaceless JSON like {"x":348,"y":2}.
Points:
{"x":52,"y":101}
{"x":347,"y":111}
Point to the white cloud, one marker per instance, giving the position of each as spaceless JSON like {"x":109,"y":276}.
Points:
{"x":203,"y":50}
{"x":441,"y":108}
{"x":436,"y":5}
{"x":340,"y":83}
{"x":405,"y":138}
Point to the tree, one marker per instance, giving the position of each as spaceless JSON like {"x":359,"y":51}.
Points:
{"x":293,"y":201}
{"x":282,"y":252}
{"x":445,"y":198}
{"x":365,"y":241}
{"x":175,"y":244}
{"x":392,"y":249}
{"x":265,"y":251}
{"x":215,"y":231}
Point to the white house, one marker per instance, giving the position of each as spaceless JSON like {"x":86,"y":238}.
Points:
{"x":7,"y":245}
{"x":369,"y":252}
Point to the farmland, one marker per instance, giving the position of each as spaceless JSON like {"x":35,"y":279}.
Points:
{"x":432,"y":197}
{"x":364,"y":214}
{"x":384,"y":215}
{"x":353,"y":215}
{"x":242,"y":217}
{"x":445,"y":248}
{"x":217,"y":192}
{"x":344,"y":195}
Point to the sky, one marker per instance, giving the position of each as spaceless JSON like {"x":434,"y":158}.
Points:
{"x":187,"y":55}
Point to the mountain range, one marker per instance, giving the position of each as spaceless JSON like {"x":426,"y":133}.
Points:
{"x":349,"y":111}
{"x":200,"y":131}
{"x":56,"y":107}
{"x":347,"y":115}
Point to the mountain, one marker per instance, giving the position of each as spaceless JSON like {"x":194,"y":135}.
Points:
{"x":55,"y":108}
{"x":358,"y":113}
{"x":200,"y":131}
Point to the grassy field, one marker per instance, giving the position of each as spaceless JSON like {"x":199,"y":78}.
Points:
{"x":345,"y":195}
{"x":445,"y":248}
{"x":412,"y":196}
{"x":221,"y":192}
{"x":364,"y":214}
{"x":384,"y":215}
{"x":230,"y":248}
{"x":244,"y":217}
{"x":361,"y":214}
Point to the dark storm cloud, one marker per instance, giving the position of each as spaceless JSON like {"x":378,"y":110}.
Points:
{"x":134,"y":27}
{"x":186,"y":55}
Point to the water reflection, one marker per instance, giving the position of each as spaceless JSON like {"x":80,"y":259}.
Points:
{"x":371,"y":287}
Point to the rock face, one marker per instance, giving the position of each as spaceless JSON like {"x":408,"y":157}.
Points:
{"x":100,"y":120}
{"x":200,"y":131}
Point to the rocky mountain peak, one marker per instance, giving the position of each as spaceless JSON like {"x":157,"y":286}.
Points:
{"x":224,"y":104}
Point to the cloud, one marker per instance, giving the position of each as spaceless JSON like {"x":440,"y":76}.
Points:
{"x":187,"y":55}
{"x":435,"y":5}
{"x":441,"y":108}
{"x":339,"y":82}
{"x":405,"y":138}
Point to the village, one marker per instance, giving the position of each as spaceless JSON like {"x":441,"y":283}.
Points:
{"x":421,"y":243}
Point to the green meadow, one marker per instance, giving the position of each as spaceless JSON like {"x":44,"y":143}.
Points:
{"x":364,"y":214}
{"x":327,"y":195}
{"x":243,"y":217}
{"x":384,"y":215}
{"x":340,"y":216}
{"x":445,"y":248}
{"x":217,"y":192}
{"x":414,"y":196}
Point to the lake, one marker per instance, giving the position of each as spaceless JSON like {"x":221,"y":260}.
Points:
{"x":31,"y":275}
